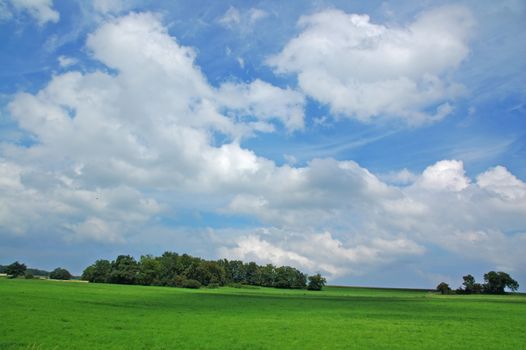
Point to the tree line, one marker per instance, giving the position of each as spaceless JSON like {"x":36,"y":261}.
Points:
{"x":17,"y":269}
{"x":494,"y":283}
{"x":174,"y":270}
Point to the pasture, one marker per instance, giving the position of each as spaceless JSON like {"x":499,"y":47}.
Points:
{"x":38,"y":314}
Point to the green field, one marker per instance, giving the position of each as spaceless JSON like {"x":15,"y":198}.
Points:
{"x":38,"y":314}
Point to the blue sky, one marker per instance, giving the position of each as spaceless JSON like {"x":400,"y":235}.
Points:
{"x":379,"y":143}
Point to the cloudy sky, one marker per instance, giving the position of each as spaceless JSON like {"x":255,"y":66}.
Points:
{"x":379,"y":143}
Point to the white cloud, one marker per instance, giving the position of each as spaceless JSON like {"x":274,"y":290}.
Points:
{"x":365,"y":70}
{"x":65,"y":61}
{"x":108,"y":6}
{"x":254,"y":100}
{"x":444,"y":175}
{"x":500,"y":181}
{"x":402,"y":177}
{"x":113,"y":152}
{"x":41,"y":10}
{"x":242,"y":20}
{"x":319,"y":252}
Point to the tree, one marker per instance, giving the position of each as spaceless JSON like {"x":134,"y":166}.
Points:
{"x":149,"y":271}
{"x":443,"y":288}
{"x":124,"y":270}
{"x":316,"y":282}
{"x":470,"y":286}
{"x":237,"y":269}
{"x":60,"y":274}
{"x":289,"y":277}
{"x":99,"y":272}
{"x":15,"y":269}
{"x":268,"y":275}
{"x":253,"y":275}
{"x":496,"y":282}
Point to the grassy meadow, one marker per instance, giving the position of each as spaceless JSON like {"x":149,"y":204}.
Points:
{"x":38,"y":314}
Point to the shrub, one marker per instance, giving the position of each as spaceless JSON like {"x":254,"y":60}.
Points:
{"x":192,"y":284}
{"x":29,"y":276}
{"x":213,"y":285}
{"x":60,"y":274}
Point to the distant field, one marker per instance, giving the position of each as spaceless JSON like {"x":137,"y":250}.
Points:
{"x":37,"y":314}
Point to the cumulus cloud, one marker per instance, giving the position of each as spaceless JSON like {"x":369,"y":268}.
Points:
{"x":372,"y":223}
{"x":150,"y":126}
{"x":365,"y":70}
{"x":319,"y":252}
{"x":41,"y":10}
{"x":114,"y":153}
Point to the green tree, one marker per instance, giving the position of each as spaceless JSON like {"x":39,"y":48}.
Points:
{"x":443,"y":288}
{"x":60,"y":274}
{"x":289,"y":277}
{"x":316,"y":282}
{"x":149,"y":271}
{"x":99,"y":272}
{"x":238,"y":272}
{"x":496,"y":282}
{"x":15,"y":269}
{"x":215,"y":273}
{"x":168,"y":269}
{"x":124,"y":270}
{"x":268,"y":275}
{"x":253,"y":275}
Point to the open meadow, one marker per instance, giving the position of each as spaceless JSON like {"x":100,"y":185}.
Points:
{"x":38,"y":314}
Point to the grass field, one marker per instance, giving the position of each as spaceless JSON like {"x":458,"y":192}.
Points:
{"x":36,"y":314}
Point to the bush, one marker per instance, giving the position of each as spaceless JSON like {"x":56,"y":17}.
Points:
{"x":60,"y":274}
{"x":192,"y":284}
{"x":29,"y":276}
{"x":443,"y":288}
{"x":316,"y":282}
{"x":213,"y":285}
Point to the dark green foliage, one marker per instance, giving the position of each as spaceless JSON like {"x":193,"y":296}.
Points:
{"x":192,"y":284}
{"x":29,"y":270}
{"x":60,"y":274}
{"x":237,"y":271}
{"x":149,"y":271}
{"x":37,"y":272}
{"x":443,"y":288}
{"x":174,"y":270}
{"x":470,"y":286}
{"x":289,"y":277}
{"x":29,"y":276}
{"x":496,"y":282}
{"x":124,"y":270}
{"x":267,"y":275}
{"x":15,"y":269}
{"x":316,"y":282}
{"x":99,"y":272}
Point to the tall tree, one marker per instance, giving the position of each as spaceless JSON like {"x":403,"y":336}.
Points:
{"x":149,"y":271}
{"x":99,"y":272}
{"x":124,"y":270}
{"x":496,"y":282}
{"x":15,"y":269}
{"x":316,"y":282}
